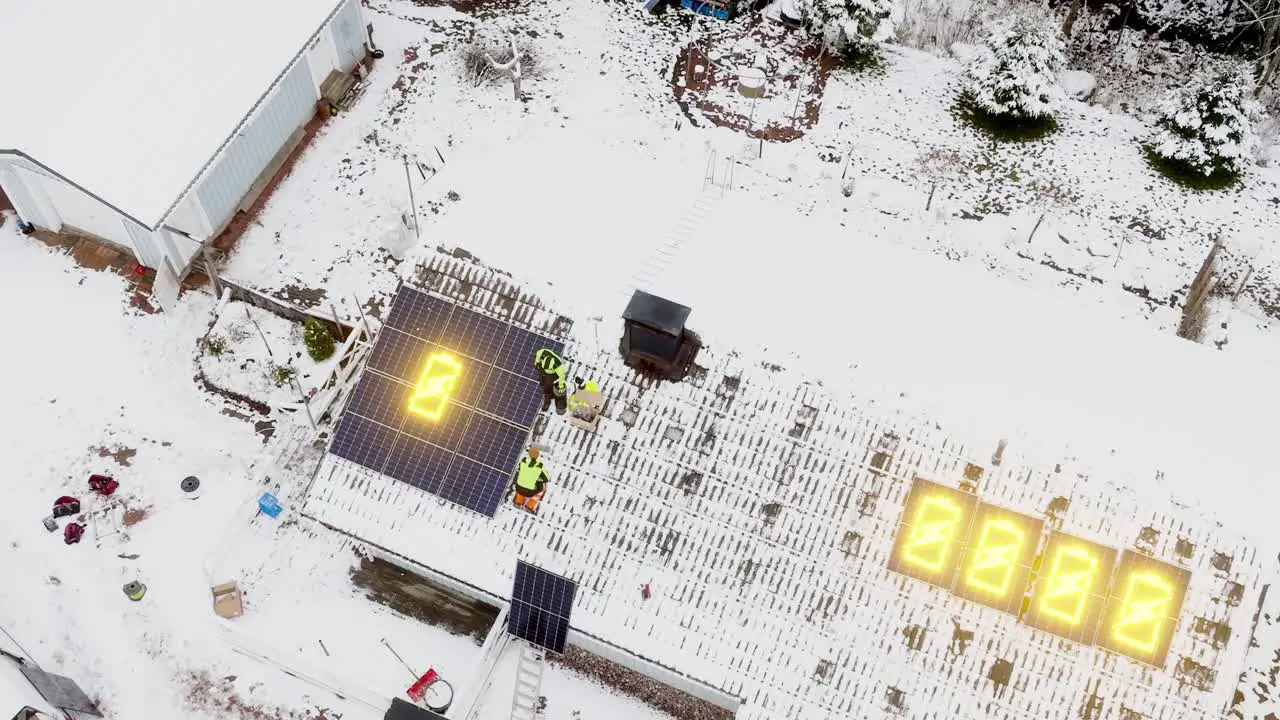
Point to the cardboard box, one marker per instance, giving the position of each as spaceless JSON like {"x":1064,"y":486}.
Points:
{"x":227,"y":600}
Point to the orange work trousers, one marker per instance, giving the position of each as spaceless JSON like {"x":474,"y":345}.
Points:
{"x":529,"y":502}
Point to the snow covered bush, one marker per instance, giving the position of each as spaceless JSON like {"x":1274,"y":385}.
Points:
{"x":495,"y":52}
{"x":319,"y":342}
{"x":1204,"y":135}
{"x":845,"y":26}
{"x":1012,"y":85}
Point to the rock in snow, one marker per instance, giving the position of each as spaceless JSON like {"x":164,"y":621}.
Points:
{"x":1079,"y":84}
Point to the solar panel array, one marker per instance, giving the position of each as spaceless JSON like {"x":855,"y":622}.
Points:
{"x":486,"y":403}
{"x":541,"y":602}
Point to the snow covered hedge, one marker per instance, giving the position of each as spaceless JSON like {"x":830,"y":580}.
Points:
{"x":1012,"y":84}
{"x":1204,"y":135}
{"x":845,"y":26}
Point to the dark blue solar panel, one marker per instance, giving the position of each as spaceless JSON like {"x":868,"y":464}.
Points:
{"x":362,"y":441}
{"x":475,"y":486}
{"x":494,"y":442}
{"x":380,"y":399}
{"x":473,"y":334}
{"x":541,"y":604}
{"x":418,"y":463}
{"x":398,"y":355}
{"x":449,"y":432}
{"x":517,"y":349}
{"x":464,"y":456}
{"x":419,"y":314}
{"x":510,"y":397}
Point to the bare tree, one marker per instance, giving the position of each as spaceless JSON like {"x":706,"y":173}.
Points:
{"x":494,"y":52}
{"x":511,"y":67}
{"x":1265,"y":15}
{"x":1073,"y":12}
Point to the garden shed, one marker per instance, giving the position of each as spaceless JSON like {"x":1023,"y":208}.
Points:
{"x":148,"y":123}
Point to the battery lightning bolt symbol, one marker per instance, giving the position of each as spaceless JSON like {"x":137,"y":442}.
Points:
{"x":931,"y":533}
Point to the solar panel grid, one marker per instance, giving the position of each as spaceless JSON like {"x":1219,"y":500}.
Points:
{"x":541,"y":603}
{"x":475,"y":485}
{"x":397,"y":355}
{"x":510,"y":397}
{"x":467,"y":453}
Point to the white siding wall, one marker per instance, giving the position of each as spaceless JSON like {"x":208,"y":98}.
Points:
{"x":78,"y":210}
{"x":283,"y":111}
{"x":31,"y":204}
{"x":189,"y":217}
{"x":322,"y":56}
{"x":349,"y":34}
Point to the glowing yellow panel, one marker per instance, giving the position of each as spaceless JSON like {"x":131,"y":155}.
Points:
{"x":934,"y":522}
{"x":1071,"y":588}
{"x":996,"y":562}
{"x":1142,"y":612}
{"x":933,"y":527}
{"x":438,"y":382}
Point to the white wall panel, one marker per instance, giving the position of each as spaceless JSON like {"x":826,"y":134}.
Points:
{"x":31,"y":207}
{"x":349,"y":34}
{"x":286,"y":109}
{"x":77,"y":209}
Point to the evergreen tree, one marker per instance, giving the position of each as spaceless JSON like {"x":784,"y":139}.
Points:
{"x":846,"y":26}
{"x":319,"y":342}
{"x":1015,"y":75}
{"x":1205,"y":127}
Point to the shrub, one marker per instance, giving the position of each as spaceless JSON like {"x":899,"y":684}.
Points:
{"x":1012,"y":89}
{"x":1204,"y":135}
{"x":846,"y":26}
{"x":214,"y":345}
{"x":283,"y":374}
{"x":317,"y":338}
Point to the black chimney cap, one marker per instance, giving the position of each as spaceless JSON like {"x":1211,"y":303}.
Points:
{"x":657,"y":313}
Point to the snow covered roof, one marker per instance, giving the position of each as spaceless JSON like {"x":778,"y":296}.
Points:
{"x":130,"y":99}
{"x":755,"y":505}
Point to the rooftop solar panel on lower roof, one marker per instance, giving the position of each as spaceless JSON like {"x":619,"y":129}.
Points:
{"x":433,"y":411}
{"x":475,"y":485}
{"x":541,"y":603}
{"x":362,"y":441}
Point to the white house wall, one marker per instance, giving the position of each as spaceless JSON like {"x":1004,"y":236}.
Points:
{"x":349,"y":34}
{"x":288,"y":107}
{"x":322,"y":56}
{"x":31,"y":207}
{"x":189,"y":217}
{"x":77,"y":209}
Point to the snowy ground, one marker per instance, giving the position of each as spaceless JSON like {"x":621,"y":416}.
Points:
{"x":106,"y":389}
{"x":580,"y":199}
{"x":246,"y":350}
{"x":621,"y":172}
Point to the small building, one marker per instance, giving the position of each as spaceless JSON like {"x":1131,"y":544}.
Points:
{"x":150,"y":123}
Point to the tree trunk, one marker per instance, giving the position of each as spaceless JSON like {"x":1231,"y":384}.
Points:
{"x":1073,"y":13}
{"x":1268,"y":58}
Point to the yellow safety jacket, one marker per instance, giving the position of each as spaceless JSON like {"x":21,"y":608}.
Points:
{"x":531,"y":473}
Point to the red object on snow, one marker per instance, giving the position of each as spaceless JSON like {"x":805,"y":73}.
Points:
{"x":102,"y":484}
{"x":64,"y":506}
{"x":644,"y":591}
{"x":416,"y":690}
{"x":72,"y":533}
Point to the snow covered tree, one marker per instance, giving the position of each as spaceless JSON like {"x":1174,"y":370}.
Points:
{"x":1013,"y":79}
{"x":494,"y":52}
{"x":845,"y":26}
{"x":1204,"y":131}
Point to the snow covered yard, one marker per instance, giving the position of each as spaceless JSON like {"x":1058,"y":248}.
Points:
{"x":260,"y":355}
{"x":566,"y":164}
{"x":102,"y":388}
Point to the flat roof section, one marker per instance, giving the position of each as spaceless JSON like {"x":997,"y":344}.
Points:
{"x":131,"y":98}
